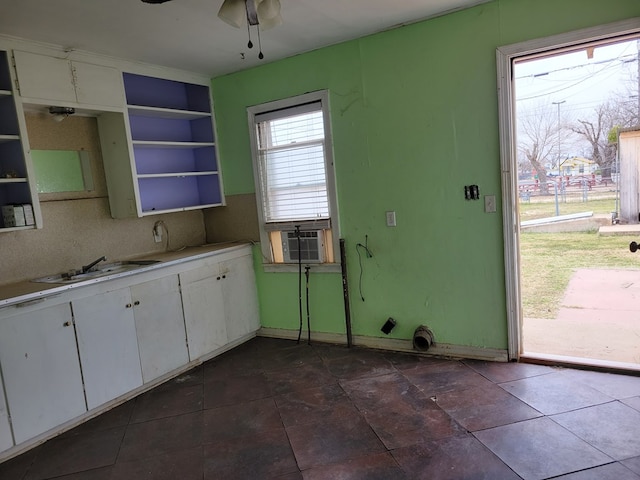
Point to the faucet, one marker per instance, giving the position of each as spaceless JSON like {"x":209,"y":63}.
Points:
{"x":86,"y":268}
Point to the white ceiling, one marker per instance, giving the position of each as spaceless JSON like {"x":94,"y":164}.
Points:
{"x":187,"y":34}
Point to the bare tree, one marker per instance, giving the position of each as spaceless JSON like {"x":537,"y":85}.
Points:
{"x":539,"y":139}
{"x":599,"y":131}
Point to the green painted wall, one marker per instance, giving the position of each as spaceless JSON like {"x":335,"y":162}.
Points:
{"x":415,"y":118}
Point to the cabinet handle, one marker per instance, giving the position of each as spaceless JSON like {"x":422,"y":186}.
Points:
{"x":224,"y":276}
{"x":137,"y":302}
{"x":217,"y":278}
{"x":66,"y":324}
{"x":128,"y":305}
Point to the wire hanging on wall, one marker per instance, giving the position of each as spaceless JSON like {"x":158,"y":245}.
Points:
{"x":369,"y":255}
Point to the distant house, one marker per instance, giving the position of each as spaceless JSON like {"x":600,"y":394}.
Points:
{"x":578,"y":166}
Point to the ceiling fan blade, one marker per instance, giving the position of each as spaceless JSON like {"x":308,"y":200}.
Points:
{"x":233,"y":12}
{"x":268,"y":9}
{"x":269,"y":14}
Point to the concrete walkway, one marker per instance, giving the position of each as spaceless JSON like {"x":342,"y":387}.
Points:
{"x":599,"y":318}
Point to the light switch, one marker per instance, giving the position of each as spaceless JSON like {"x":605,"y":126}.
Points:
{"x":490,"y":203}
{"x":391,"y":219}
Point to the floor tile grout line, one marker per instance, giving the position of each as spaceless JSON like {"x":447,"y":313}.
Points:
{"x":136,"y":424}
{"x":580,"y":438}
{"x":152,"y":457}
{"x":284,"y":427}
{"x":584,"y":408}
{"x":363,"y":416}
{"x":584,"y":470}
{"x":495,"y":455}
{"x":124,"y":434}
{"x":364,"y":455}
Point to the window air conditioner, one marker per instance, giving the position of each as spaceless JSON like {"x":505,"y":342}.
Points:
{"x":311,"y":247}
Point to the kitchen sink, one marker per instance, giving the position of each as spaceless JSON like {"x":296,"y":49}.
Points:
{"x":104,"y":270}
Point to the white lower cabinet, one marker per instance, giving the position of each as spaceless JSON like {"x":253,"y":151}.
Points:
{"x":240,"y":297}
{"x":115,"y":337}
{"x":220,"y":304}
{"x":6,"y":438}
{"x":41,"y":370}
{"x":159,"y":326}
{"x":203,"y":316}
{"x":108,"y":345}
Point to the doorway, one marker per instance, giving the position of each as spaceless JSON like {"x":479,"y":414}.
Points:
{"x":571,"y":291}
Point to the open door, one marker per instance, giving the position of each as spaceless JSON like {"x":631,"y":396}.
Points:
{"x":550,"y":184}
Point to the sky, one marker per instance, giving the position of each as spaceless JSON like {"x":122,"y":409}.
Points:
{"x":572,"y":85}
{"x":581,"y":83}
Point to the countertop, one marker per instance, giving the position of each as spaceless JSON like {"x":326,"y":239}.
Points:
{"x":27,"y":290}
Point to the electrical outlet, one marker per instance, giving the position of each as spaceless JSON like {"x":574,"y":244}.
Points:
{"x":391,"y":219}
{"x":490,"y":204}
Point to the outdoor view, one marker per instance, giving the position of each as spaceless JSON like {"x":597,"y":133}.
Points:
{"x":580,"y":282}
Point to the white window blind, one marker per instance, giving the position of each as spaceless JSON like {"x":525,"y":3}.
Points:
{"x":291,"y":156}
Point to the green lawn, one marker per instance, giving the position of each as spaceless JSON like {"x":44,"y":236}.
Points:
{"x":546,"y":207}
{"x":549,"y":259}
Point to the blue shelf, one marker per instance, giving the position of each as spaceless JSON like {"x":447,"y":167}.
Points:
{"x":172,"y":134}
{"x":14,"y":181}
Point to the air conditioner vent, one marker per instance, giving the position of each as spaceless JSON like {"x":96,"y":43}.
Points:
{"x":311,"y":247}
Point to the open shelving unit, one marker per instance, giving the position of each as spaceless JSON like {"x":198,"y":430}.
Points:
{"x":17,"y":184}
{"x":172,"y":136}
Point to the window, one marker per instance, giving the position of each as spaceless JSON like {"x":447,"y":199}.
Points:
{"x":295,"y":187}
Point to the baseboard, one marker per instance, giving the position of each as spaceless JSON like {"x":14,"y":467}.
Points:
{"x":393,"y":344}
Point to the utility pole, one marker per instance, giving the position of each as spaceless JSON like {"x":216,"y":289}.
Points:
{"x":559,"y":166}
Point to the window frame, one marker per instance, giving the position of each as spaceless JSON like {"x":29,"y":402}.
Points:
{"x":285,"y":104}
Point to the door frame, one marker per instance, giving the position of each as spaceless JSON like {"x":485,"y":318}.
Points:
{"x":508,"y":154}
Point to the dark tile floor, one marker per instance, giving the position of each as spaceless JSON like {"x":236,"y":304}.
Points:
{"x":272,"y":409}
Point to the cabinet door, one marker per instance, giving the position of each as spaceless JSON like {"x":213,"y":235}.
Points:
{"x":6,"y":439}
{"x":41,"y":370}
{"x":203,"y":310}
{"x":98,"y":85}
{"x":108,"y":345}
{"x":159,"y":326}
{"x":240,"y":297}
{"x":41,"y":76}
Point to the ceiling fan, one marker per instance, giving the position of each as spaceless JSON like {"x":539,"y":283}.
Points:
{"x":262,"y":14}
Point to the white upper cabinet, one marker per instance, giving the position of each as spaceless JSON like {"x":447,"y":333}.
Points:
{"x":40,"y":76}
{"x":98,"y":85}
{"x":157,"y":133}
{"x":45,"y":79}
